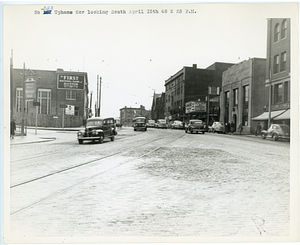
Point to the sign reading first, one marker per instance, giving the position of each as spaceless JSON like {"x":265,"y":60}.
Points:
{"x":70,"y":82}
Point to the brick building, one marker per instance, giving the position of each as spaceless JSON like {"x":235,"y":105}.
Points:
{"x":158,"y":106}
{"x":243,"y":93}
{"x":277,"y":83}
{"x":188,"y":89}
{"x":58,"y":98}
{"x":128,"y":113}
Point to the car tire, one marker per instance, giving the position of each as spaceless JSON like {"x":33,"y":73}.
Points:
{"x":203,"y":132}
{"x":101,"y":139}
{"x":186,"y":131}
{"x":112,"y":138}
{"x":80,"y":141}
{"x":275,"y":137}
{"x":263,"y":136}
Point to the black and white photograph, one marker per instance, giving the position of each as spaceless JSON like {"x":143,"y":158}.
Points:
{"x":150,"y":123}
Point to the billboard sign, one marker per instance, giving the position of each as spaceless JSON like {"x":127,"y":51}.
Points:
{"x":30,"y":88}
{"x":195,"y":106}
{"x":70,"y":81}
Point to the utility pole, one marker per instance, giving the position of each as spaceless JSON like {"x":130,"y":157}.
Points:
{"x":96,"y":109}
{"x":11,"y":88}
{"x":270,"y":96}
{"x":99,"y":97}
{"x":23,"y":104}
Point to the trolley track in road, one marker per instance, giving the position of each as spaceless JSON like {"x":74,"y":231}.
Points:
{"x":86,"y":179}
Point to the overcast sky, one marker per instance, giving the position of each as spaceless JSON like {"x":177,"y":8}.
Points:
{"x":135,"y":53}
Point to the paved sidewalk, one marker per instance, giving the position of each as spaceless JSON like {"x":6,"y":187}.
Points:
{"x":41,"y":136}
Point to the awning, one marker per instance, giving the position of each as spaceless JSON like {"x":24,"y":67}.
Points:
{"x":265,"y":115}
{"x":284,"y":116}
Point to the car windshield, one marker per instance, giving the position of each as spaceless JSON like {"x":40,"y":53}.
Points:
{"x":161,"y":121}
{"x":140,"y":120}
{"x":196,"y":122}
{"x":94,"y":123}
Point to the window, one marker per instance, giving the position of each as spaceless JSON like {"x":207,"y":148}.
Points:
{"x":19,"y":98}
{"x":284,"y":29}
{"x":44,"y":97}
{"x":276,"y":64}
{"x":276,"y":33}
{"x":71,"y":94}
{"x":76,"y":111}
{"x":286,"y":92}
{"x":236,"y":98}
{"x":283,"y":61}
{"x":278,"y":93}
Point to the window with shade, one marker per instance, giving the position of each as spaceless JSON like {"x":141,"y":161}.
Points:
{"x":276,"y":33}
{"x":284,"y":29}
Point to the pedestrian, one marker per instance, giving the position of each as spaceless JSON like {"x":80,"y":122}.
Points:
{"x":240,"y":128}
{"x":228,"y":127}
{"x":258,"y":129}
{"x":232,"y":126}
{"x":12,"y":128}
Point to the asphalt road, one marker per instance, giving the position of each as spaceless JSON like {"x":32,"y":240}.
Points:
{"x":159,"y":183}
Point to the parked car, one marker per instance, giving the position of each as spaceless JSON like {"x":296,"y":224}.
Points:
{"x":276,"y":132}
{"x":97,"y":129}
{"x":161,"y":123}
{"x":177,"y":125}
{"x":196,"y":125}
{"x":218,"y":127}
{"x":151,"y":123}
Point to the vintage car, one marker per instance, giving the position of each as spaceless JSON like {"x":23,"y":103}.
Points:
{"x":177,"y":125}
{"x":151,"y":123}
{"x":218,"y":127}
{"x":161,"y":123}
{"x":139,"y":123}
{"x":97,"y":129}
{"x":195,"y":125}
{"x":276,"y":132}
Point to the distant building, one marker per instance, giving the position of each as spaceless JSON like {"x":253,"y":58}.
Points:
{"x":158,"y":106}
{"x":243,"y":93}
{"x":278,"y":68}
{"x":128,"y":113}
{"x":59,"y":97}
{"x":186,"y":93}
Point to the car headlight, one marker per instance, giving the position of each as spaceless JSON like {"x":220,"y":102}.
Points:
{"x":79,"y":133}
{"x":94,"y":131}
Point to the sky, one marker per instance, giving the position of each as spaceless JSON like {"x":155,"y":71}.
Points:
{"x":135,"y":54}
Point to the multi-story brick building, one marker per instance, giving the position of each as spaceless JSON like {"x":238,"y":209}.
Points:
{"x":243,"y":93}
{"x":277,"y":83}
{"x":128,"y":113}
{"x":58,"y":98}
{"x":158,"y":106}
{"x":189,"y":86}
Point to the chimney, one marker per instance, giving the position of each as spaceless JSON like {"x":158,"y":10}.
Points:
{"x":195,"y":66}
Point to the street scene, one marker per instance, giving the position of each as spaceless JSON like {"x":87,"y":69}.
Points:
{"x":162,"y":182}
{"x":155,"y":121}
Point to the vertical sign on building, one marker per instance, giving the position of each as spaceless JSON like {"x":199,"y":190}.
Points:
{"x":30,"y":89}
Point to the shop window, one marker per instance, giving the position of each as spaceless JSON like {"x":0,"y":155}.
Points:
{"x":286,"y":92}
{"x":76,"y":113}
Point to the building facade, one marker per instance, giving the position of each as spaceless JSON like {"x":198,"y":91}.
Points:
{"x":158,"y":106}
{"x":243,"y":93}
{"x":128,"y":113}
{"x":187,"y":92}
{"x":51,"y":99}
{"x":278,"y":68}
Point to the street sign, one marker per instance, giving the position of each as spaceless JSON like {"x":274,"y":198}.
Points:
{"x":36,"y":103}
